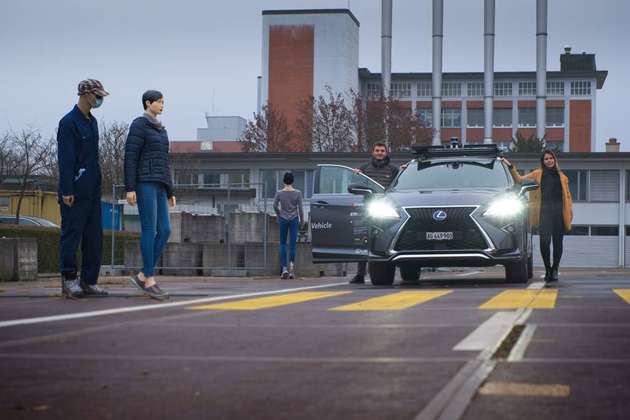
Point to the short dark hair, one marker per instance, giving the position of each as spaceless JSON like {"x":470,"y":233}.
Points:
{"x":151,"y":96}
{"x":379,"y":143}
{"x":288,"y":178}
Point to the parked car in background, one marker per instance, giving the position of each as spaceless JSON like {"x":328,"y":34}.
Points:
{"x":27,"y":221}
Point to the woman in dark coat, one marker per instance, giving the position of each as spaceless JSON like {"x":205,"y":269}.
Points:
{"x":148,"y":183}
{"x":550,"y":208}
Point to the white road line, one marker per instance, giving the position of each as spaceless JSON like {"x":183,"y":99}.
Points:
{"x":488,"y":333}
{"x":518,"y":351}
{"x":65,"y":317}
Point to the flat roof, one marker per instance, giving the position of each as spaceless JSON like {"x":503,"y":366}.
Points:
{"x":312,"y":12}
{"x":600,"y":75}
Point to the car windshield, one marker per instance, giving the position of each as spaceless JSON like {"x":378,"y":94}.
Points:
{"x":452,"y":175}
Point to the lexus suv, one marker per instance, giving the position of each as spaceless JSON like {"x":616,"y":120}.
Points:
{"x":450,"y":206}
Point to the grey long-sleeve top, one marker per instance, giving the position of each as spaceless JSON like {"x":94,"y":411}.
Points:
{"x":288,"y":204}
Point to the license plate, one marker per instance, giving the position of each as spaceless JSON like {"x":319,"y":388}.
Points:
{"x":439,"y":236}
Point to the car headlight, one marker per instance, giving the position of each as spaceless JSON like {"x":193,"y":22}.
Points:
{"x":381,"y":209}
{"x":505,"y":208}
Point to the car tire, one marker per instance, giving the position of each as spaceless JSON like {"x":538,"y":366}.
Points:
{"x":410,"y":272}
{"x":530,"y":266}
{"x":516,"y":272}
{"x":382,"y":273}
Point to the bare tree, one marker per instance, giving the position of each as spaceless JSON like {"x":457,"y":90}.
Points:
{"x":327,"y":123}
{"x":112,"y":154}
{"x":8,"y":158}
{"x":32,"y":153}
{"x":405,"y":128}
{"x":268,"y":132}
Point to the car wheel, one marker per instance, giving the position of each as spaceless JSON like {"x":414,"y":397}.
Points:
{"x":516,"y":272}
{"x":410,"y":273}
{"x":530,"y":267}
{"x":382,"y":273}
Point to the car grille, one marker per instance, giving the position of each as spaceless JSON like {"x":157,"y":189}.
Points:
{"x":466,"y":233}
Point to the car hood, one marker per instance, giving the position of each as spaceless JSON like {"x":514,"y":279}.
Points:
{"x":444,"y":198}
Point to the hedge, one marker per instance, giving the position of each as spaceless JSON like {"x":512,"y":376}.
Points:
{"x":48,"y":245}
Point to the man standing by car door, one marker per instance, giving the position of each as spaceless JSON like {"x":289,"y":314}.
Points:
{"x":382,"y":171}
{"x":80,"y":193}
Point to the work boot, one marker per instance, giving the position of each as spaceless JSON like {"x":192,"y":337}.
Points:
{"x":92,"y":289}
{"x":357,"y":279}
{"x":70,"y":287}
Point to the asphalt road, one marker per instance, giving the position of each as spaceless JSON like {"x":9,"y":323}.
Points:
{"x":461,"y":345}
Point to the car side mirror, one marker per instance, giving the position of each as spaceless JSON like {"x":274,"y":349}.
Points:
{"x":360,"y":190}
{"x":528,"y":186}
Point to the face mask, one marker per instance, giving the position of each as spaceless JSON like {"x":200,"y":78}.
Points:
{"x":98,"y":102}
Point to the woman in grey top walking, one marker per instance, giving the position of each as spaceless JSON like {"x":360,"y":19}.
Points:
{"x":288,"y":207}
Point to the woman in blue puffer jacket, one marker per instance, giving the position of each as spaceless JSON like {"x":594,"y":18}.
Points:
{"x":148,"y":183}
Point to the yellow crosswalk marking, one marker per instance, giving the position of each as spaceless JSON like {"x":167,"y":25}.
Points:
{"x":623,"y":294}
{"x":516,"y":389}
{"x":516,"y":299}
{"x":269,"y":301}
{"x":393,"y":301}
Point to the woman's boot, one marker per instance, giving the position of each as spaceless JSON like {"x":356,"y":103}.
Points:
{"x":547,"y":274}
{"x":554,"y":273}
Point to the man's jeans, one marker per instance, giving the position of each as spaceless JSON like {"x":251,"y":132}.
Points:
{"x":289,"y":227}
{"x":154,"y":221}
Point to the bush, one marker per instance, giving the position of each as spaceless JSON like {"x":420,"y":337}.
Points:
{"x":48,"y":245}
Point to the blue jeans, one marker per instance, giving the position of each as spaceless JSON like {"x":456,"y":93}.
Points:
{"x":289,"y":227}
{"x":154,"y":221}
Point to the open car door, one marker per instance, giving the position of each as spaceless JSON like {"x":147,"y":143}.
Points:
{"x":338,"y":225}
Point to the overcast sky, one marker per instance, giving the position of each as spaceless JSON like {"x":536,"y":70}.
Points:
{"x":205,"y":55}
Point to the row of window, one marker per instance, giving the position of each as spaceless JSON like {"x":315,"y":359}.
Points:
{"x":502,"y":117}
{"x":501,"y":88}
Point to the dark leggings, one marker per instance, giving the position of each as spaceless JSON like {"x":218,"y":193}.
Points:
{"x":551,"y":229}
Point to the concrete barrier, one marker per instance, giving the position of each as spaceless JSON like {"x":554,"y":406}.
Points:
{"x":18,"y":259}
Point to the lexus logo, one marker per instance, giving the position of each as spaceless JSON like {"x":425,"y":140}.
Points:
{"x":439,"y":215}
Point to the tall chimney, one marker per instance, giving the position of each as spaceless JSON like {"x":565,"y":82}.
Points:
{"x":438,"y":35}
{"x":541,"y":66}
{"x":488,"y":69}
{"x":386,"y":58}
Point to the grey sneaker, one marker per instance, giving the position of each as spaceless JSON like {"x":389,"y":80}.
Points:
{"x":291,"y":271}
{"x":70,"y":287}
{"x":156,"y":293}
{"x":285,"y":274}
{"x":137,"y":283}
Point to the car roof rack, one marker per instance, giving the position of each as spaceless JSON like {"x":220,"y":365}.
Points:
{"x":457,"y":150}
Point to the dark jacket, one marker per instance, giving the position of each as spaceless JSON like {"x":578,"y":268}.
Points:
{"x":77,"y":151}
{"x":380,"y":171}
{"x":146,"y":155}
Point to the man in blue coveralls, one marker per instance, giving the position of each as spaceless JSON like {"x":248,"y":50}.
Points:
{"x":80,"y":194}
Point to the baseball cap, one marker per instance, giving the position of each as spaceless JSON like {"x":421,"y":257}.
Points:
{"x":91,"y":86}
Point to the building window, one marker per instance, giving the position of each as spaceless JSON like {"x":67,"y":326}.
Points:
{"x":475,"y":89}
{"x":604,"y":186}
{"x":374,"y":90}
{"x":503,"y":89}
{"x":426,"y":117}
{"x":401,"y":90}
{"x":527,"y":117}
{"x":577,"y":183}
{"x":451,"y":117}
{"x":527,"y":88}
{"x":238,"y":179}
{"x":502,"y":117}
{"x":580,"y":87}
{"x":475,"y":117}
{"x":452,"y":89}
{"x":211,"y":179}
{"x":185,"y":178}
{"x":604,"y":230}
{"x":424,"y":89}
{"x":578,"y":230}
{"x":4,"y":203}
{"x":555,"y":117}
{"x":555,"y":87}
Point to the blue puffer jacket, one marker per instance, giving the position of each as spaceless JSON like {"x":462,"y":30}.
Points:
{"x":146,"y":155}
